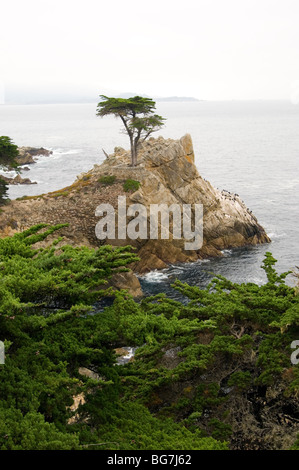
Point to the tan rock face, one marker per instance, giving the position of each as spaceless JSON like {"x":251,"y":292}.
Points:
{"x":77,"y":401}
{"x":89,"y":373}
{"x":187,"y":144}
{"x":167,"y":174}
{"x":127,"y":281}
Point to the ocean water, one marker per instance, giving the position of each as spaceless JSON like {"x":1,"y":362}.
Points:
{"x":250,"y":148}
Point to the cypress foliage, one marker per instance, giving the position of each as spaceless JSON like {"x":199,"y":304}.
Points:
{"x":51,"y":324}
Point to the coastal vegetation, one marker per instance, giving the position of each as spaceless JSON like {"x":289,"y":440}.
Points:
{"x":131,"y":185}
{"x":107,"y":179}
{"x":8,"y":161}
{"x":211,"y":371}
{"x":3,"y":191}
{"x":8,"y":154}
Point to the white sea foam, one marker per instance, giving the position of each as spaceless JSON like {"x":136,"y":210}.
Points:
{"x":9,"y":174}
{"x":226,"y":252}
{"x":57,"y":154}
{"x":274,"y":236}
{"x":61,"y":151}
{"x":176,"y":269}
{"x":43,"y":158}
{"x":180,"y":268}
{"x":155,"y":276}
{"x":121,"y":360}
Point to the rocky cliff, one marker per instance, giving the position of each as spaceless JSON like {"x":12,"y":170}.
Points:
{"x":166,"y":173}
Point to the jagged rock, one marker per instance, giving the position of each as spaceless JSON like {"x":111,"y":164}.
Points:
{"x":19,"y":180}
{"x":170,"y":358}
{"x":129,"y":281}
{"x":89,"y":373}
{"x":167,"y":174}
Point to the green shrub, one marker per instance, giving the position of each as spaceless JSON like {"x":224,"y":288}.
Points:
{"x":107,"y":179}
{"x":8,"y":154}
{"x":3,"y":192}
{"x":131,"y":185}
{"x":240,"y":380}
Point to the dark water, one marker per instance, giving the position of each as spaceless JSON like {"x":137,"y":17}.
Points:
{"x":248,"y":148}
{"x":239,"y":265}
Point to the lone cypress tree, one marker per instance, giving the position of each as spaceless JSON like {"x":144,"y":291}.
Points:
{"x":137,"y":115}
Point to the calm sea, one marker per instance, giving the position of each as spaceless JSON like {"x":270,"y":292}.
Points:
{"x":249,"y":148}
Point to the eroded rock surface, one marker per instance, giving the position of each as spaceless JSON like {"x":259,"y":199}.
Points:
{"x":167,"y":174}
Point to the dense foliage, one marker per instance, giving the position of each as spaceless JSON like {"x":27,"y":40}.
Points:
{"x":3,"y":191}
{"x":171,"y":396}
{"x":8,"y":161}
{"x":8,"y":153}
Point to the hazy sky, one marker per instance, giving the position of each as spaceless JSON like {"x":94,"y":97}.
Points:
{"x":209,"y":49}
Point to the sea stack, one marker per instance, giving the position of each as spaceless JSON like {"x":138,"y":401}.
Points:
{"x":165,"y":174}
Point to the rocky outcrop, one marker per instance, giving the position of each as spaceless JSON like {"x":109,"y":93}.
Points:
{"x":17,"y":180}
{"x":25,"y":157}
{"x":167,"y":174}
{"x":27,"y":154}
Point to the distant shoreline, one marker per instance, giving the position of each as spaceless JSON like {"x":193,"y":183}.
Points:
{"x":158,"y":100}
{"x":170,"y":99}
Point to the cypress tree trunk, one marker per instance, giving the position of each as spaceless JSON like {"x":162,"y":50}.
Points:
{"x":133,"y":153}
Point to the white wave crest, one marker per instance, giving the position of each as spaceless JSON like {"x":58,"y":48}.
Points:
{"x":155,"y":276}
{"x":61,"y":151}
{"x":226,"y":252}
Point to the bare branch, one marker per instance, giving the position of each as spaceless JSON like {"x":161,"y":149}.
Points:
{"x":237,"y":330}
{"x":105,"y":153}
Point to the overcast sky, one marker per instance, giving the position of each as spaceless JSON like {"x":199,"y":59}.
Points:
{"x":209,"y":49}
